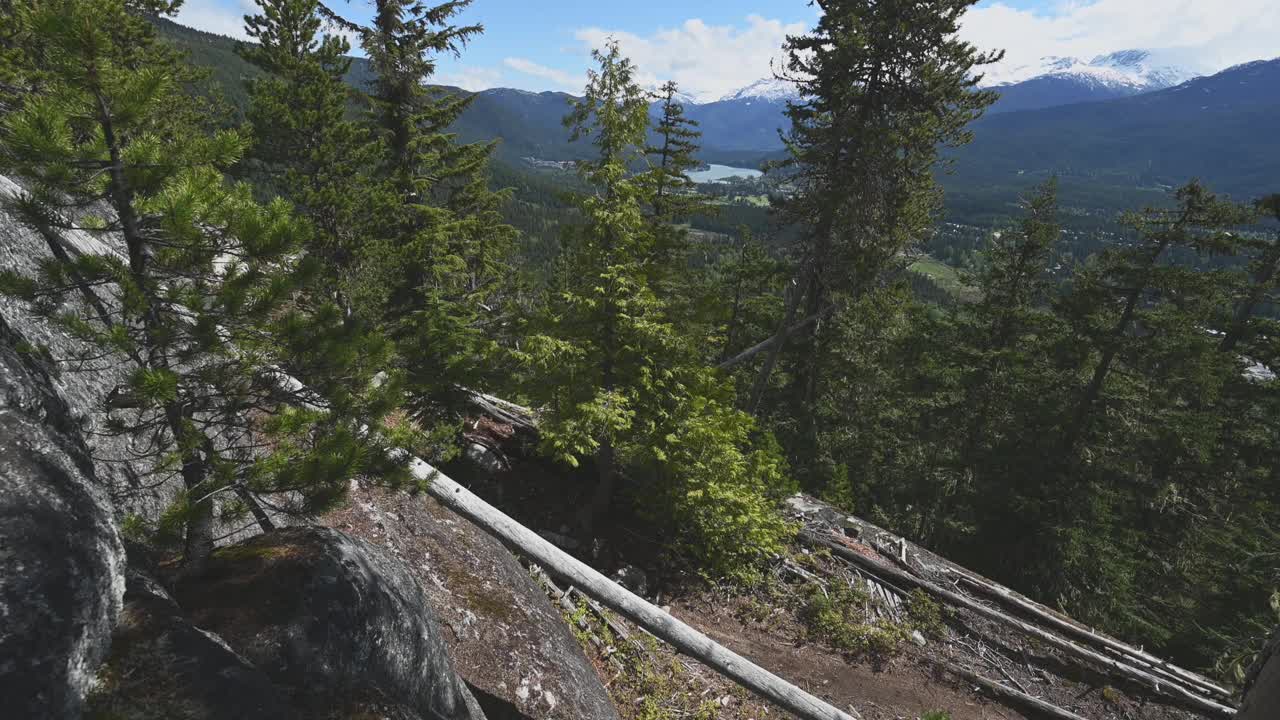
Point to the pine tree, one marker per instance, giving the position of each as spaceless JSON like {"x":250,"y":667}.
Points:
{"x":194,"y":306}
{"x":611,"y":295}
{"x":883,"y":86}
{"x":1002,"y":337}
{"x":674,"y":201}
{"x":438,"y":250}
{"x":621,"y":384}
{"x":319,"y":158}
{"x":1140,"y":277}
{"x":674,"y":155}
{"x":1263,"y":281}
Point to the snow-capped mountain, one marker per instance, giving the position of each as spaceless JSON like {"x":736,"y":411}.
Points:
{"x":772,"y":90}
{"x":1142,"y":70}
{"x":1053,"y":81}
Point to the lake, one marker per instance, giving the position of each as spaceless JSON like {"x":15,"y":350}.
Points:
{"x":716,"y":173}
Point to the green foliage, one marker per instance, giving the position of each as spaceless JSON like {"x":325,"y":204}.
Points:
{"x":623,"y":385}
{"x":207,"y":274}
{"x":925,"y":615}
{"x":883,"y":87}
{"x":834,"y":615}
{"x":1090,"y":443}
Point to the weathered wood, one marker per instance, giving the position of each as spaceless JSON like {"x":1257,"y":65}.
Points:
{"x":774,"y":339}
{"x":517,"y":416}
{"x":1111,"y":664}
{"x":590,"y":582}
{"x":1027,"y":702}
{"x":1173,"y":672}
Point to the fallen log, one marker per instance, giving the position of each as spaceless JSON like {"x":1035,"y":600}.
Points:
{"x":1023,"y":700}
{"x":590,"y":582}
{"x":1158,"y":685}
{"x":1174,"y":673}
{"x":517,"y":416}
{"x":774,"y":339}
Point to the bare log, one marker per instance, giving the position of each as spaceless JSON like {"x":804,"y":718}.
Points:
{"x":1028,"y":702}
{"x":667,"y":628}
{"x":1175,"y":673}
{"x":1111,"y":664}
{"x":517,"y":416}
{"x":773,"y":339}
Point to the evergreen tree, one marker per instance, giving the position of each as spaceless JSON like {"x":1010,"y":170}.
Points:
{"x":883,"y":86}
{"x":437,"y":255}
{"x":194,"y":303}
{"x":674,"y":201}
{"x":674,"y":155}
{"x":1139,"y":276}
{"x":311,"y":150}
{"x":621,"y":385}
{"x":1263,"y":281}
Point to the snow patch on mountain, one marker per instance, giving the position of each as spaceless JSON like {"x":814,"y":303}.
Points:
{"x":1139,"y":70}
{"x":773,"y":90}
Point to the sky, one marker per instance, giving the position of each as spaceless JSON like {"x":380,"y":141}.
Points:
{"x":713,"y":47}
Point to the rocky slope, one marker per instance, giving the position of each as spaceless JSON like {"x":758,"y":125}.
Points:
{"x":302,"y":622}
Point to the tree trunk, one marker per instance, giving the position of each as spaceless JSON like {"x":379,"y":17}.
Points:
{"x":1042,"y":614}
{"x":199,"y":539}
{"x":775,"y":349}
{"x":773,"y":340}
{"x":1036,"y":705}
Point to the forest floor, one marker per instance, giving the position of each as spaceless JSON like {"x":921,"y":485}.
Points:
{"x":839,"y":631}
{"x":773,"y":626}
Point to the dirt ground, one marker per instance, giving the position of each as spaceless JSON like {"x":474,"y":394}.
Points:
{"x":898,"y":687}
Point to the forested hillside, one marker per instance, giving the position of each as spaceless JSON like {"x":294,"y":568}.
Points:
{"x":330,"y":276}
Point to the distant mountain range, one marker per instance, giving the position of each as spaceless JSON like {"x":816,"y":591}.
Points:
{"x":1055,"y":81}
{"x":1221,"y":128}
{"x":1126,"y":121}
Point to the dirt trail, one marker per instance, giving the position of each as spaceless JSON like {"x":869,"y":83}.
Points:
{"x":904,"y":688}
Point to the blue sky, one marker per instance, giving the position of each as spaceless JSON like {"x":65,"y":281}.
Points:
{"x":712,"y":47}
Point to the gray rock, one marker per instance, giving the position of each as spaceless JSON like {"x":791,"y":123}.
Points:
{"x":633,"y":579}
{"x":485,"y":459}
{"x":333,"y":618}
{"x":1262,"y":686}
{"x":163,"y":666}
{"x":63,"y":578}
{"x":132,"y":486}
{"x":507,"y":640}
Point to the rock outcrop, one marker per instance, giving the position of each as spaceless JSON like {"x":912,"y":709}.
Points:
{"x":63,"y":578}
{"x":1262,"y":689}
{"x":162,"y":666}
{"x":507,"y":640}
{"x":339,"y":622}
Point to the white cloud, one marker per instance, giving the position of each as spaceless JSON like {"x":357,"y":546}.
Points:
{"x":1205,"y":35}
{"x":707,"y":61}
{"x":565,"y":80}
{"x":223,"y":17}
{"x":469,"y":78}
